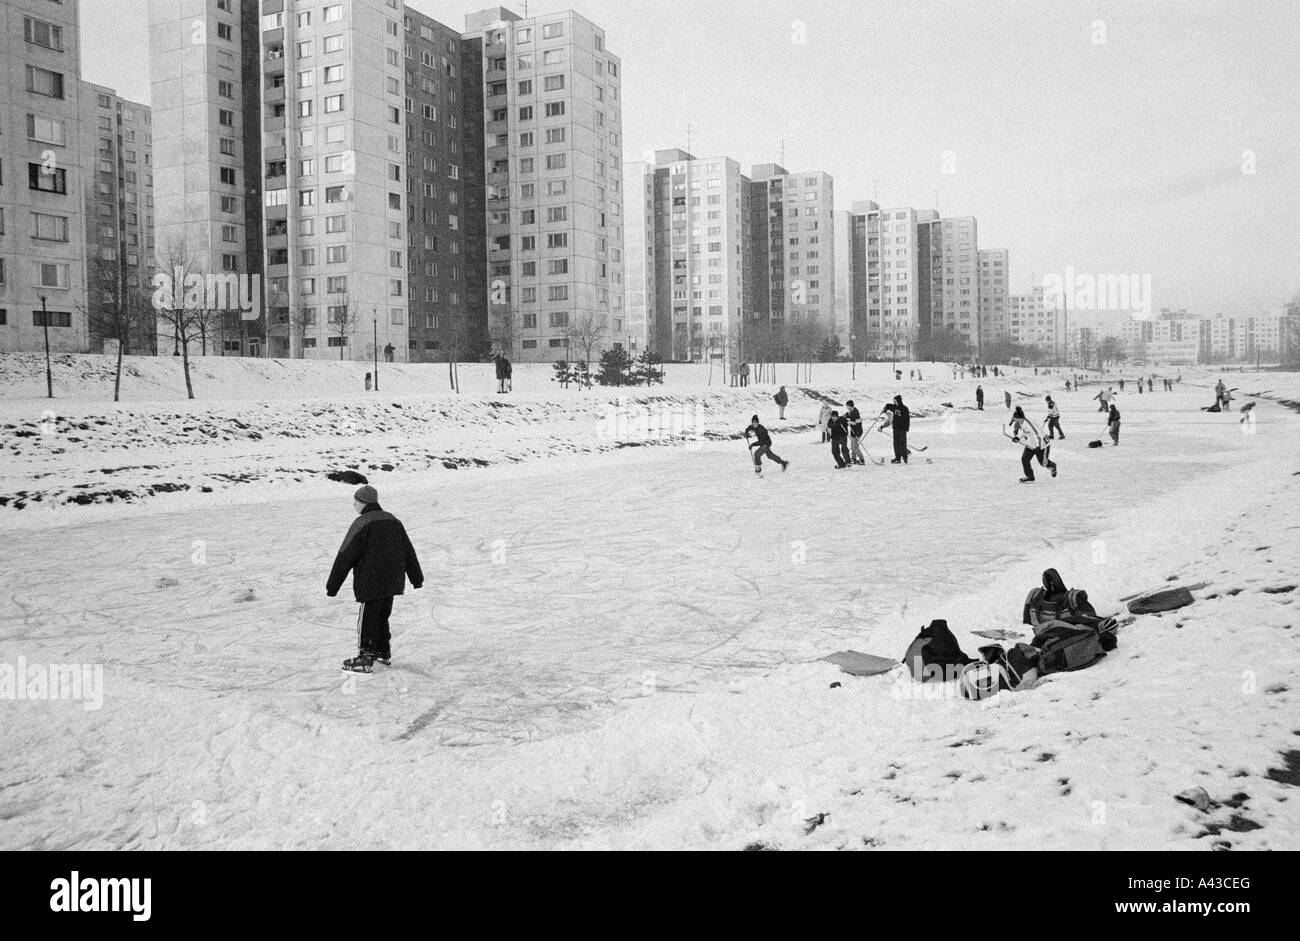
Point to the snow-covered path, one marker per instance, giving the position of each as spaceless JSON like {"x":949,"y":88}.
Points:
{"x":609,"y":650}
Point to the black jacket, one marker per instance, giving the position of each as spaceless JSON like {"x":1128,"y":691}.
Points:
{"x":839,"y":427}
{"x":781,"y":398}
{"x":902,"y":419}
{"x":854,"y":419}
{"x":760,"y":433}
{"x":380,"y":556}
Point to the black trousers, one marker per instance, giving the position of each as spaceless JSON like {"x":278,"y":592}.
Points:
{"x":1043,"y":460}
{"x":1054,"y":428}
{"x":900,"y":444}
{"x":840,"y":450}
{"x":765,"y":449}
{"x":372,"y":625}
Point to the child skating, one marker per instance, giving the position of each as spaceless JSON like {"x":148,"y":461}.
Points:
{"x":761,"y":445}
{"x":1023,"y":432}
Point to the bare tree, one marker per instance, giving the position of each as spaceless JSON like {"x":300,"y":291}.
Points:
{"x":115,"y":311}
{"x":583,"y":334}
{"x":302,"y":317}
{"x":180,"y":300}
{"x":343,"y":318}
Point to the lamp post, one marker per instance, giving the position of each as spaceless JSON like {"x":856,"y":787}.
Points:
{"x":45,"y":326}
{"x":853,"y":353}
{"x":375,"y":311}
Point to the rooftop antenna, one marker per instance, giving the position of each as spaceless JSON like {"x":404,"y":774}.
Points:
{"x":783,"y":152}
{"x":688,"y":140}
{"x":875,"y":191}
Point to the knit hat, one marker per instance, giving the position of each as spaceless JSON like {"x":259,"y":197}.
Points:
{"x":366,"y":494}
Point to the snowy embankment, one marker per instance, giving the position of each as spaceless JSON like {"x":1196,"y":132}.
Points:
{"x":274,"y":422}
{"x":619,"y":649}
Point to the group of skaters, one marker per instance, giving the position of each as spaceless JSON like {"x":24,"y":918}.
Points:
{"x":843,"y":431}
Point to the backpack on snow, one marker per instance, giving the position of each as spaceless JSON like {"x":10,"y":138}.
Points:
{"x":1095,"y":444}
{"x":935,"y":654}
{"x":1065,"y":647}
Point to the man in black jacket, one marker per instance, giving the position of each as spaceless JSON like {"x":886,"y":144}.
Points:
{"x":380,"y":557}
{"x":838,"y":426}
{"x":901,"y":424}
{"x":762,"y":445}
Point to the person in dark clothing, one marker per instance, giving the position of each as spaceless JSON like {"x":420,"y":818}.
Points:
{"x":782,"y":399}
{"x":979,"y":398}
{"x":901,"y":424}
{"x":499,"y":362}
{"x":510,"y":374}
{"x":1007,"y":397}
{"x":1151,"y":384}
{"x":854,"y":418}
{"x":1112,"y":424}
{"x":379,"y":554}
{"x":761,"y":445}
{"x":839,"y":429}
{"x":1024,"y":432}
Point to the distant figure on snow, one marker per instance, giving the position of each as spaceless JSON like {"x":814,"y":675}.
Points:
{"x":1112,"y":424}
{"x":782,"y":400}
{"x":389,"y":350}
{"x":901,"y":424}
{"x":1053,"y":421}
{"x":1007,"y":397}
{"x":979,"y":398}
{"x":824,"y":422}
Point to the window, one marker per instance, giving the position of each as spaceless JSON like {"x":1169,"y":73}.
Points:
{"x":334,"y":163}
{"x":336,"y":285}
{"x":334,"y":224}
{"x":557,"y":161}
{"x":224,"y":31}
{"x":49,"y":228}
{"x":526,"y":114}
{"x":334,"y":43}
{"x":552,"y":30}
{"x":335,"y":194}
{"x":229,"y":233}
{"x":53,"y":318}
{"x":554,"y":57}
{"x":41,"y":33}
{"x":45,"y":180}
{"x":45,"y":130}
{"x":557,"y":213}
{"x":554,"y":109}
{"x":333,"y":13}
{"x":44,"y":82}
{"x":558,"y":266}
{"x":50,"y":274}
{"x":278,"y":197}
{"x":227,"y":89}
{"x":555,"y":135}
{"x":557,"y":240}
{"x":334,"y":134}
{"x":333,"y":103}
{"x":226,"y":118}
{"x":333,"y":73}
{"x":227,"y":175}
{"x":336,"y":254}
{"x":304,"y":49}
{"x":306,"y":197}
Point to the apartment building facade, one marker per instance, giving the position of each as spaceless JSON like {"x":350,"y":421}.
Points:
{"x":42,"y":178}
{"x":116,"y":140}
{"x":686,"y":246}
{"x":553,"y":154}
{"x":1030,"y":322}
{"x":329,"y":156}
{"x":994,"y":277}
{"x":958,"y":266}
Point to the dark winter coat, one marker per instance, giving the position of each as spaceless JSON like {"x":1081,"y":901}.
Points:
{"x":838,"y":427}
{"x":902,"y":419}
{"x":854,"y":418}
{"x":781,"y":398}
{"x":760,"y":434}
{"x":500,"y":363}
{"x":380,"y":556}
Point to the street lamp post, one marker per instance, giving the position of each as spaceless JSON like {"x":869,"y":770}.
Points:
{"x":375,"y":312}
{"x":45,"y":326}
{"x":853,"y":353}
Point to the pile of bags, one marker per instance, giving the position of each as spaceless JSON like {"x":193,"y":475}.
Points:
{"x":1068,"y":635}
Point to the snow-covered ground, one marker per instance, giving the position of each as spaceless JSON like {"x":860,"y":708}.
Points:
{"x":617,"y":646}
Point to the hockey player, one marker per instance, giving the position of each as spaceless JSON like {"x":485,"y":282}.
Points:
{"x":1024,"y":432}
{"x":1053,"y":421}
{"x":838,"y":426}
{"x":854,"y":418}
{"x":761,"y":446}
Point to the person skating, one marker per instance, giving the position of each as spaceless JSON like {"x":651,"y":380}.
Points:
{"x":1219,"y":388}
{"x":839,"y":431}
{"x":1007,"y":397}
{"x":979,"y":398}
{"x":854,"y":418}
{"x":901,"y":424}
{"x":379,"y":554}
{"x":1112,"y":424}
{"x":782,"y":400}
{"x":761,"y":446}
{"x":1121,"y":383}
{"x":1104,"y":398}
{"x":1023,"y":432}
{"x":1151,"y":384}
{"x":1053,"y":421}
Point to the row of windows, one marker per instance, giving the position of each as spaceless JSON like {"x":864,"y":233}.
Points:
{"x":53,"y":318}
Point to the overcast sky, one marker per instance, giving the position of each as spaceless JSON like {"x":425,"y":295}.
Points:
{"x":1115,"y":157}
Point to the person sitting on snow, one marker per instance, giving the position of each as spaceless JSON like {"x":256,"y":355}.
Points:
{"x":1054,"y":603}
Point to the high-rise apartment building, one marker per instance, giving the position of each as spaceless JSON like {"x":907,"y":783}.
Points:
{"x":794,"y":250}
{"x":320,"y":147}
{"x":993,"y":290}
{"x":958,"y":308}
{"x":117,"y":152}
{"x":686,"y":241}
{"x":553,"y":152}
{"x":1032,"y":322}
{"x":42,"y":178}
